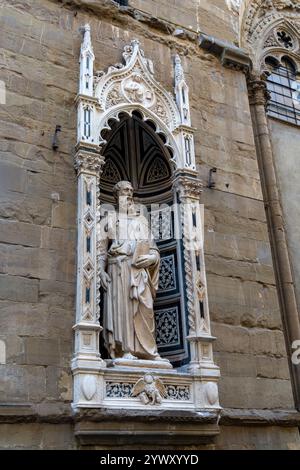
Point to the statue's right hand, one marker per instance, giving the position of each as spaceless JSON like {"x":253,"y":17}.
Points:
{"x":104,"y":279}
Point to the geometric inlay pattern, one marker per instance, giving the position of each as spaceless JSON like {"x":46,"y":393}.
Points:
{"x":167,"y":326}
{"x":161,"y":223}
{"x":167,"y":276}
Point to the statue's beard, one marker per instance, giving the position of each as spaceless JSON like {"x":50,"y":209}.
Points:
{"x":127,"y":206}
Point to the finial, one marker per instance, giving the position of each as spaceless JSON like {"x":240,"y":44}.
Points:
{"x":179,"y":74}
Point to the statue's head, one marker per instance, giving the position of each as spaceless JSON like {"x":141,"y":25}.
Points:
{"x":148,"y":378}
{"x":123,"y":193}
{"x":123,"y":188}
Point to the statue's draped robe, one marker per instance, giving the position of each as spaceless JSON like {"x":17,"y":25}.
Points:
{"x":128,"y":320}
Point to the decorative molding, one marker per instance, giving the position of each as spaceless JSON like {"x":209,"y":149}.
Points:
{"x":152,"y":389}
{"x":178,"y":392}
{"x":230,"y":56}
{"x":211,"y":392}
{"x":268,"y":25}
{"x":15,"y":413}
{"x":130,"y":87}
{"x":88,"y":162}
{"x":234,"y":6}
{"x":119,"y":390}
{"x":89,"y":386}
{"x":133,"y":83}
{"x":257,"y":91}
{"x":188,"y":186}
{"x":189,"y":191}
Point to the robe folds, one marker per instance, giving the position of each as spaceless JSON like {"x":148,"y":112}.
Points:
{"x":128,"y":318}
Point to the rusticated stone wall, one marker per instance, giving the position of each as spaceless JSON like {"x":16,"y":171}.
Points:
{"x":39,"y":49}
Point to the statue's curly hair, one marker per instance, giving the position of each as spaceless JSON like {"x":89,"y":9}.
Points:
{"x":120,"y":185}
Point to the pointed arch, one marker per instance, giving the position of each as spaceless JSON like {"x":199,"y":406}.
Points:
{"x":270,"y":26}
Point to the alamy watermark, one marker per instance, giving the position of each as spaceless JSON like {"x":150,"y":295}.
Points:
{"x":2,"y":352}
{"x":296,"y":353}
{"x":159,"y":222}
{"x":2,"y":92}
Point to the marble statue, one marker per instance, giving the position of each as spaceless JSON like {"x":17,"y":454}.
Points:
{"x":129,"y":272}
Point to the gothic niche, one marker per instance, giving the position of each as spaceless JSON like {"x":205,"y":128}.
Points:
{"x":135,"y":153}
{"x":144,"y":300}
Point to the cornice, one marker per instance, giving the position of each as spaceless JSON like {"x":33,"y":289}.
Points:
{"x":230,"y":56}
{"x":58,"y":413}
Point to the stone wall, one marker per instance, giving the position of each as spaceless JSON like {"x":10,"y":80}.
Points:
{"x":210,"y":17}
{"x":39,"y":49}
{"x":286,"y":142}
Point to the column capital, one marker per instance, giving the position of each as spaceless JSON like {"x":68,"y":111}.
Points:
{"x":88,"y":161}
{"x":257,"y":90}
{"x":188,"y":185}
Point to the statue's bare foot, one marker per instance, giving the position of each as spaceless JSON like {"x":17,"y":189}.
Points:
{"x":129,"y":356}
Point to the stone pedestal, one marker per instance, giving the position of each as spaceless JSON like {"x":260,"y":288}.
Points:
{"x":112,"y":388}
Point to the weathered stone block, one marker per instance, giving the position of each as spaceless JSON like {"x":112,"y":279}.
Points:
{"x":64,"y":215}
{"x":257,"y":438}
{"x":255,"y":272}
{"x":12,"y":178}
{"x":13,"y":385}
{"x":19,"y":233}
{"x":41,"y":351}
{"x":58,"y":239}
{"x":267,"y":342}
{"x":57,"y":293}
{"x":37,"y":436}
{"x":233,"y":247}
{"x":36,"y":382}
{"x":18,"y":289}
{"x":248,"y":392}
{"x":26,"y":261}
{"x":232,"y":339}
{"x":20,"y":318}
{"x":60,"y":322}
{"x":272,"y":368}
{"x":17,"y":206}
{"x":13,"y":346}
{"x":45,"y":185}
{"x":59,"y":384}
{"x":236,"y":365}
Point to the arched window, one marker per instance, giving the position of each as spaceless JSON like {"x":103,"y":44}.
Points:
{"x":284,"y":103}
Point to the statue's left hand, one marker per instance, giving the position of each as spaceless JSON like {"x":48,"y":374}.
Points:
{"x":145,"y":261}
